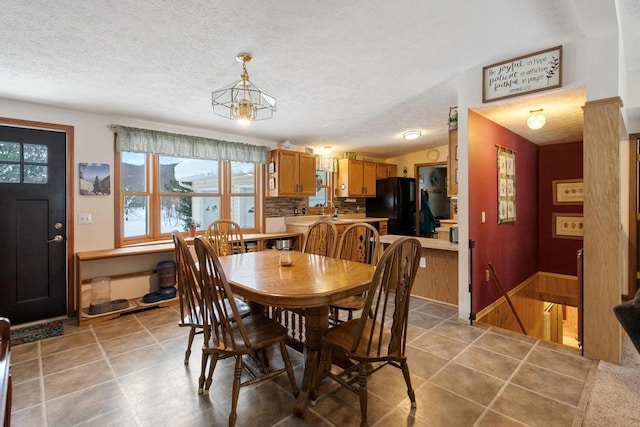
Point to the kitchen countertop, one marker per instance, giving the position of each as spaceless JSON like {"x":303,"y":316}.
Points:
{"x":426,"y":242}
{"x":307,"y":220}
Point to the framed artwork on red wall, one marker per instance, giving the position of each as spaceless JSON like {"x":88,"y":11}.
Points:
{"x":506,"y":185}
{"x":568,"y":192}
{"x":567,"y":225}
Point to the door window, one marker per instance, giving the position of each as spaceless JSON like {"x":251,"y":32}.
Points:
{"x":23,"y":163}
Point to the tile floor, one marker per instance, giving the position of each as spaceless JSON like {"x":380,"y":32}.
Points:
{"x":129,"y":372}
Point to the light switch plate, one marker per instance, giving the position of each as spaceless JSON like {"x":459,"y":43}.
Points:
{"x":84,"y":218}
{"x":423,"y":262}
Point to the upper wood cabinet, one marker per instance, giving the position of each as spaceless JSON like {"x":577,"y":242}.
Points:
{"x":452,"y":164}
{"x":386,"y":170}
{"x":356,"y":178}
{"x":291,"y":173}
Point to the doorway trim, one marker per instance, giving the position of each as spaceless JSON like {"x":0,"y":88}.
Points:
{"x":416,"y":174}
{"x":69,"y":130}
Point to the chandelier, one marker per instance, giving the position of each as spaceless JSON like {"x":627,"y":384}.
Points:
{"x":243,"y":101}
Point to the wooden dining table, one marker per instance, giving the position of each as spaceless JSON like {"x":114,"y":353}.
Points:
{"x":311,"y":283}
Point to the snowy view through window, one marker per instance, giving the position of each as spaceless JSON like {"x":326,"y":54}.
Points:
{"x":189,"y":191}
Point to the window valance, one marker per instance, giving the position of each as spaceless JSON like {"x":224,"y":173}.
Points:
{"x":174,"y":144}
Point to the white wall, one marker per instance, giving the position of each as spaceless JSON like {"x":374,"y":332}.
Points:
{"x":409,"y":160}
{"x":94,"y":143}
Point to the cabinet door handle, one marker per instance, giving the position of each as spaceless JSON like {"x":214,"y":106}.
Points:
{"x":301,"y":188}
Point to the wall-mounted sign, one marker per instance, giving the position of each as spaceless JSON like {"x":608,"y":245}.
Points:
{"x":526,"y":74}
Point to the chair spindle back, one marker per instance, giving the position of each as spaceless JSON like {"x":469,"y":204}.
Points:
{"x":390,"y":290}
{"x":226,"y":237}
{"x":321,"y":239}
{"x":220,"y":310}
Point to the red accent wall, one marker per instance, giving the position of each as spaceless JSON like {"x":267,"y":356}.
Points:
{"x":558,"y":161}
{"x":512,"y":248}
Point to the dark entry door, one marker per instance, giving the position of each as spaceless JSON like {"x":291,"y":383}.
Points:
{"x":33,"y":238}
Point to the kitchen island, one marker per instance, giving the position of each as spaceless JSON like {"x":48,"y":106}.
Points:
{"x":437,"y":277}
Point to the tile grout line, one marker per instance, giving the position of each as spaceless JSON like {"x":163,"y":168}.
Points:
{"x":115,"y":377}
{"x":164,"y":349}
{"x":506,"y":384}
{"x":449,"y":362}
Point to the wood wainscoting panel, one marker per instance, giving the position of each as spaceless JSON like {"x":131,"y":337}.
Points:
{"x":552,"y":287}
{"x":530,"y":299}
{"x":438,"y":280}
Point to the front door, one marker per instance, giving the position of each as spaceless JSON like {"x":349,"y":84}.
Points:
{"x":33,"y":226}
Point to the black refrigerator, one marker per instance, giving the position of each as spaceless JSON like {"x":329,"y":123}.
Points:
{"x":395,"y":199}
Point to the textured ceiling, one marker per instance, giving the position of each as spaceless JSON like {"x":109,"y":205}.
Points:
{"x":351,"y":74}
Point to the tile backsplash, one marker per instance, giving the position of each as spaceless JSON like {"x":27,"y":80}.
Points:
{"x":281,"y":206}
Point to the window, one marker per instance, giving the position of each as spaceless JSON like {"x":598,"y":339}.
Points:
{"x":23,"y":163}
{"x":157,"y":194}
{"x":322,"y":190}
{"x":243,"y":194}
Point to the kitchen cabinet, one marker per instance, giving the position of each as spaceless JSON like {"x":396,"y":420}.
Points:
{"x":452,"y":164}
{"x":386,"y":170}
{"x":356,"y":178}
{"x":291,"y":173}
{"x":437,"y":276}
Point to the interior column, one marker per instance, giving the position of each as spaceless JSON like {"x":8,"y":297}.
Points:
{"x":604,"y":272}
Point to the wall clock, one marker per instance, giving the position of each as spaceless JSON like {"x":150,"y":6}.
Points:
{"x":433,"y":155}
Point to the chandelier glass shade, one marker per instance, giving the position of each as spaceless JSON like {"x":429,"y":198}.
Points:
{"x":242,"y":100}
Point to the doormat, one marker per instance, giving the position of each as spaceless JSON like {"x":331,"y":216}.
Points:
{"x":36,"y":332}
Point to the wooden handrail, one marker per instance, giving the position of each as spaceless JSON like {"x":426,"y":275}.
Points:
{"x":506,"y":296}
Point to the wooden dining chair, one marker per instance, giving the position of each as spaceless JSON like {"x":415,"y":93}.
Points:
{"x":321,"y":239}
{"x":189,"y":293}
{"x":225,"y":337}
{"x":360,"y":242}
{"x":226,"y":237}
{"x":370,"y":342}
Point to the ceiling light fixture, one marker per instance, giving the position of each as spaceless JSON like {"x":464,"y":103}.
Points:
{"x":326,"y":150}
{"x":243,"y":101}
{"x":411,"y":134}
{"x":536,"y":119}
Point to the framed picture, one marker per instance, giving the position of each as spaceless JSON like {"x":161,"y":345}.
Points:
{"x":506,"y":185}
{"x":525,"y":74}
{"x":567,"y":226}
{"x":568,"y":192}
{"x":94,"y":179}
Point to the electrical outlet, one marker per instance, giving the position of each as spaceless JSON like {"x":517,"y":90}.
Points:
{"x":487,"y":276}
{"x":84,"y":218}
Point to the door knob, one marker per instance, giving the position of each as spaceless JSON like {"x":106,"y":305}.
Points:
{"x":56,"y":239}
